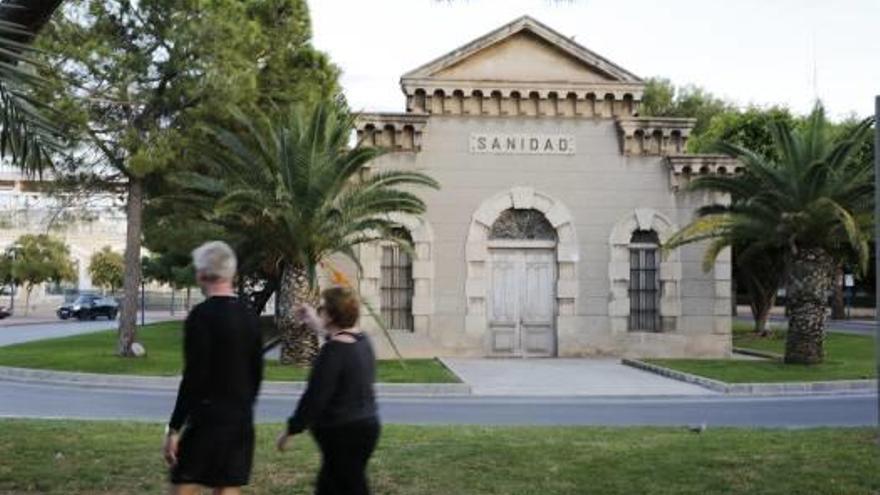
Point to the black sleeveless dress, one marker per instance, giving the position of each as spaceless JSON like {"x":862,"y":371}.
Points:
{"x":222,"y":374}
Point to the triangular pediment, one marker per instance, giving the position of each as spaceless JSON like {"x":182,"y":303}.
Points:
{"x":523,"y":50}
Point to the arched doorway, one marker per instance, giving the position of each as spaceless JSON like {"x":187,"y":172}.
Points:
{"x":522,"y":284}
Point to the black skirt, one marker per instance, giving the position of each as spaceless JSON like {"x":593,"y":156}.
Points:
{"x":215,"y":454}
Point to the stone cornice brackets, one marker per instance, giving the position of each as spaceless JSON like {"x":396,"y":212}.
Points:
{"x":654,"y":136}
{"x":682,"y":168}
{"x":394,"y":131}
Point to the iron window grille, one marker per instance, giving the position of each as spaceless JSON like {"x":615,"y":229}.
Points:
{"x":644,"y":282}
{"x":397,"y":288}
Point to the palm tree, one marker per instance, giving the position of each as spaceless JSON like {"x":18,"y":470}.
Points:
{"x":292,"y":185}
{"x":27,"y":136}
{"x":813,"y":205}
{"x":760,"y":272}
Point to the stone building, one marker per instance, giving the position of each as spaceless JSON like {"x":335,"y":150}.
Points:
{"x":556,"y":196}
{"x":86,"y":225}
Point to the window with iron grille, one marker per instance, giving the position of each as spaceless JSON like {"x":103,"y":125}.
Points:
{"x":397,"y":288}
{"x":644,"y":282}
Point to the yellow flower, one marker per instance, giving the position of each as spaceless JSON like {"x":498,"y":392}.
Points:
{"x":337,"y":277}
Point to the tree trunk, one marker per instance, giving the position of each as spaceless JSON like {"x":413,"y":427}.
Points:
{"x":761,"y":306}
{"x":172,"y":301}
{"x":187,"y":299}
{"x":132,"y":276}
{"x":27,"y":299}
{"x":260,"y":298}
{"x":299,"y":344}
{"x":808,"y":283}
{"x":760,"y":277}
{"x":838,"y":306}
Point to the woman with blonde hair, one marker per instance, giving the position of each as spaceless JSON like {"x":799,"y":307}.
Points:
{"x":339,"y":404}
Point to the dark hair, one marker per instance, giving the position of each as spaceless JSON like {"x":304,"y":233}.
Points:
{"x":342,"y":306}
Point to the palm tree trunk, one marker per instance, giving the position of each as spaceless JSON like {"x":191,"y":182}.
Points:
{"x":761,"y":304}
{"x":808,"y":283}
{"x":299,"y":344}
{"x":761,"y":281}
{"x":132,"y":276}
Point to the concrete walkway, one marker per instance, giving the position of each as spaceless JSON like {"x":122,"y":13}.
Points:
{"x":564,"y":377}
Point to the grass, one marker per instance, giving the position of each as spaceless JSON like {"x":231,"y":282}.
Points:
{"x":95,"y":353}
{"x":848,"y":357}
{"x":69,"y":457}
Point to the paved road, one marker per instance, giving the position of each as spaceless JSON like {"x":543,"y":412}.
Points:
{"x":857,"y":327}
{"x":34,"y":400}
{"x":16,"y":334}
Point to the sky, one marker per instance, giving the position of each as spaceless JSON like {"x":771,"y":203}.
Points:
{"x":760,"y":52}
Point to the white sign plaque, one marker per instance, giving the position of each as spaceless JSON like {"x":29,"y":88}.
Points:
{"x":522,"y":144}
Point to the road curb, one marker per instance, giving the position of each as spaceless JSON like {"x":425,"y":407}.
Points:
{"x":19,"y":323}
{"x":759,"y":389}
{"x":170,"y":383}
{"x":755,"y":353}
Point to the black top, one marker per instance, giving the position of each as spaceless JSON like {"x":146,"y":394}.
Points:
{"x":223,"y":362}
{"x":340,"y":388}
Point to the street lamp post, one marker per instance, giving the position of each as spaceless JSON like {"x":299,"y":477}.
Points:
{"x":143,"y":302}
{"x":877,"y":245}
{"x":12,"y":285}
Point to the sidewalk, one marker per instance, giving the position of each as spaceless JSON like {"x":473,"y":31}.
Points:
{"x":564,"y":377}
{"x":171,"y":383}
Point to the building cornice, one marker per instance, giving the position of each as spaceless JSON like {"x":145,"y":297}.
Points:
{"x":522,"y":99}
{"x":506,"y":88}
{"x":394,"y":131}
{"x":683,"y":168}
{"x":654,"y":136}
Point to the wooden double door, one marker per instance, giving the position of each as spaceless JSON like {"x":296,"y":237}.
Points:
{"x":522,"y":302}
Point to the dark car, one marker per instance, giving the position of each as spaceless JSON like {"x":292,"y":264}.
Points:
{"x":4,"y":312}
{"x":89,"y":307}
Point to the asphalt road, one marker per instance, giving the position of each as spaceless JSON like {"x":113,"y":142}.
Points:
{"x":857,"y":327}
{"x":50,"y":401}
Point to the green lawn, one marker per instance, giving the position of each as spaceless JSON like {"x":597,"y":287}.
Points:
{"x":55,"y":457}
{"x":94,"y":353}
{"x":848,"y":357}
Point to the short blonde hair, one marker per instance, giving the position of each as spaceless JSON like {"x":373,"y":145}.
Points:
{"x":215,"y":260}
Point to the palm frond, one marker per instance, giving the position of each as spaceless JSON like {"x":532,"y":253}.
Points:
{"x":28,"y":136}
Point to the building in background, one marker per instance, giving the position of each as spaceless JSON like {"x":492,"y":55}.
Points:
{"x":85,"y":224}
{"x":556,"y":197}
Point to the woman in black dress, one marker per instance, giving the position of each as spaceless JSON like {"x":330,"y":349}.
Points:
{"x":339,"y":405}
{"x":209,"y":441}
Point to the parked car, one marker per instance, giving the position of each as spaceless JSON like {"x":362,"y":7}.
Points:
{"x":4,"y":312}
{"x":89,"y":307}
